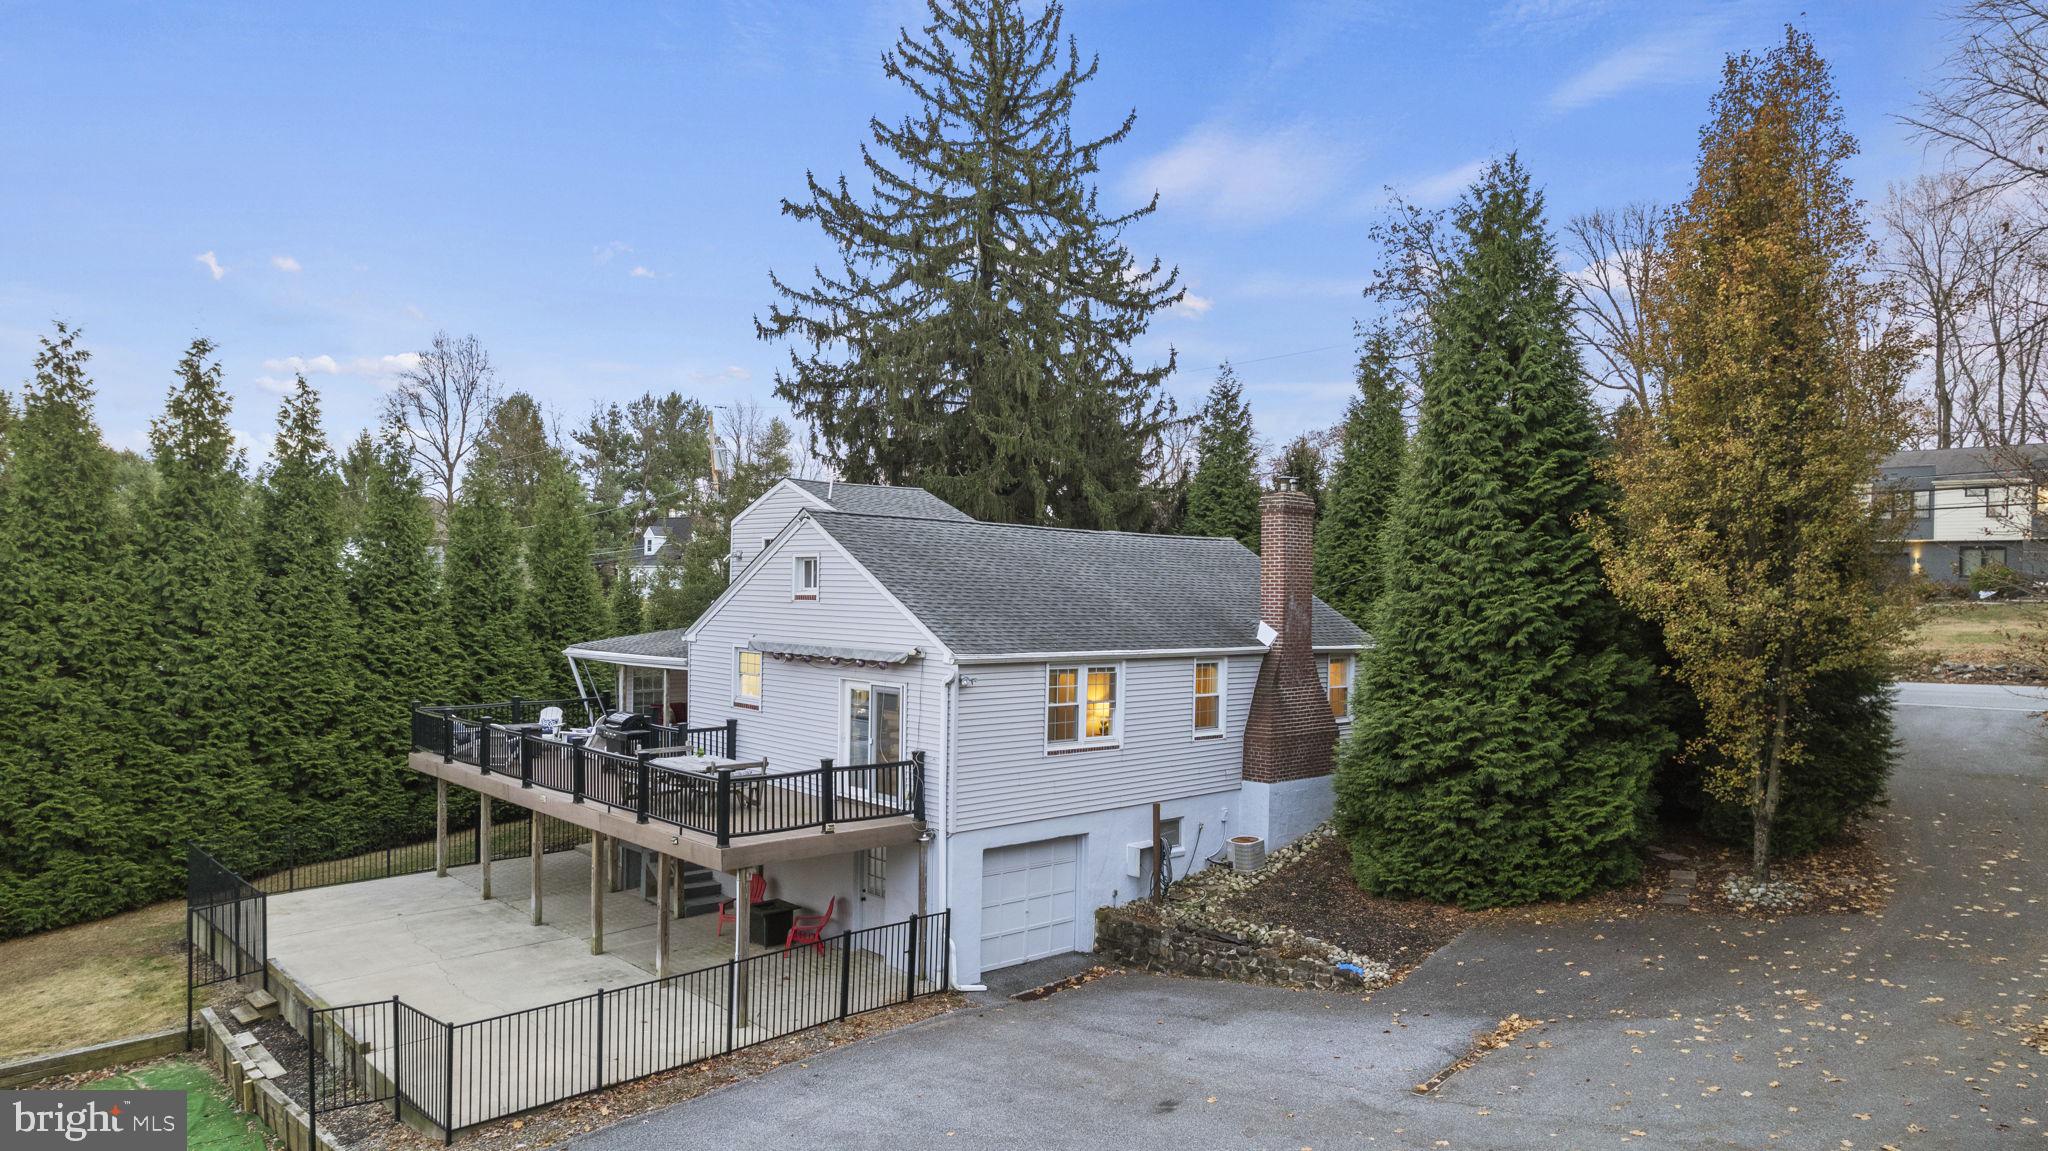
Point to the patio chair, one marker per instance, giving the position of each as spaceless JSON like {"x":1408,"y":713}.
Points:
{"x":810,"y":929}
{"x":550,"y":720}
{"x":757,"y":890}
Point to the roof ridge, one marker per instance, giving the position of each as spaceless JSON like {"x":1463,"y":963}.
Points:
{"x":1038,"y":527}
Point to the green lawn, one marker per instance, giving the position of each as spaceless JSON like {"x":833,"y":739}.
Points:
{"x":211,"y":1121}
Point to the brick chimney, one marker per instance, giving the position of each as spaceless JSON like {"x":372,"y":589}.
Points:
{"x":1290,"y":733}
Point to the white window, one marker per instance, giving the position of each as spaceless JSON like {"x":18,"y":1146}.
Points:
{"x":650,"y":544}
{"x":647,"y":688}
{"x":1208,"y":698}
{"x":746,"y":677}
{"x":803,"y":577}
{"x":1081,"y":706}
{"x":1340,"y":686}
{"x":874,"y":872}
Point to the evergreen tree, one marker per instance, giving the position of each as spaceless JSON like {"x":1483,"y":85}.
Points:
{"x":305,"y":696}
{"x":198,"y":601}
{"x":486,"y":586}
{"x":1223,"y":498}
{"x":628,"y":608}
{"x":675,"y":596}
{"x":565,"y":602}
{"x":1745,"y":528}
{"x":1302,"y":463}
{"x":977,"y":337}
{"x":1500,"y":754}
{"x":403,"y":649}
{"x":358,"y":464}
{"x":516,"y":449}
{"x":65,"y":791}
{"x":1362,"y":485}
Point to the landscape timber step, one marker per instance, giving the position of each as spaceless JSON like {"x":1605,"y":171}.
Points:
{"x":264,"y":1002}
{"x":246,"y":1015}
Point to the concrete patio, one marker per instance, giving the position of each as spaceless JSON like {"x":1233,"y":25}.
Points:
{"x":444,"y":949}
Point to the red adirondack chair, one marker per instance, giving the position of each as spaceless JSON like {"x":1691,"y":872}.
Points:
{"x":757,"y":890}
{"x":811,"y":928}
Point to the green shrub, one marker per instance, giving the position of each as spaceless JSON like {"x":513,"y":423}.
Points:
{"x":1998,"y":579}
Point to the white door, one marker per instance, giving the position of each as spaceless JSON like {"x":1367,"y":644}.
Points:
{"x":1028,"y":901}
{"x":874,"y":734}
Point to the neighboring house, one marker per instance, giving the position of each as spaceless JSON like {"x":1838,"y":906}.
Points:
{"x":1969,"y":507}
{"x":1058,"y":683}
{"x":671,"y":531}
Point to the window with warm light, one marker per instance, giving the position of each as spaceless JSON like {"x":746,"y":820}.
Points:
{"x":1080,"y":706}
{"x":746,"y":678}
{"x":1208,"y":698}
{"x":1340,"y":686}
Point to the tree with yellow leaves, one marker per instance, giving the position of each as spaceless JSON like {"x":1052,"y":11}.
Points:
{"x":1745,"y":527}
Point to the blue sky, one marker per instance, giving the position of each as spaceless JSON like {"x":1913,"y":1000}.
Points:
{"x":594,"y":190}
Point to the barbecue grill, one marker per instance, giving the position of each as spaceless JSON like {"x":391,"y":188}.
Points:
{"x":623,"y":731}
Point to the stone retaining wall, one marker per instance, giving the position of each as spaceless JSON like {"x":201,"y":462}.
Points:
{"x":1133,"y":936}
{"x":255,"y":1094}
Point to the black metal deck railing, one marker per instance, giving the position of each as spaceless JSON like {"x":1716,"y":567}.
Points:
{"x":722,"y":803}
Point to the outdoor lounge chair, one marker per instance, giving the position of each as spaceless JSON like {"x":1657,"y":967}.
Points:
{"x":757,"y":890}
{"x":810,"y":929}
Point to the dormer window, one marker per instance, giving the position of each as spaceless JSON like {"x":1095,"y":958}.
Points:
{"x":651,"y":544}
{"x":803,"y":577}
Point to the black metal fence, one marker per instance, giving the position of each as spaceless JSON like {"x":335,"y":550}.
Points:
{"x":511,"y":837}
{"x":227,"y":929}
{"x":458,"y":1075}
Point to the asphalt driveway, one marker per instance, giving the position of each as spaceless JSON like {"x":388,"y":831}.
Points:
{"x":1673,"y":1029}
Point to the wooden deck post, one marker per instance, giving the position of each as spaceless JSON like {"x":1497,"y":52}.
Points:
{"x":533,"y":823}
{"x":661,"y":917}
{"x":440,"y":829}
{"x":484,"y":841}
{"x":597,"y":893}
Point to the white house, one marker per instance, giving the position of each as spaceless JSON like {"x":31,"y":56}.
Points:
{"x":1057,"y":684}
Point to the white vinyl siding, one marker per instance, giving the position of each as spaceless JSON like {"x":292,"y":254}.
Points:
{"x":765,"y":519}
{"x":1005,"y":776}
{"x":801,"y":720}
{"x":1980,"y":510}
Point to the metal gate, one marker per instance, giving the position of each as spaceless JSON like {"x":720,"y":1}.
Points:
{"x":377,"y":1053}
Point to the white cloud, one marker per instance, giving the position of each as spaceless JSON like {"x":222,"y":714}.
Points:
{"x":378,"y":370}
{"x":1231,"y":175}
{"x":1525,"y":14}
{"x":212,"y":265}
{"x":603,"y":253}
{"x":1194,"y":306}
{"x":284,"y":264}
{"x":1664,"y":57}
{"x":1445,"y":186}
{"x":301,"y":365}
{"x":273,"y":384}
{"x":640,"y":272}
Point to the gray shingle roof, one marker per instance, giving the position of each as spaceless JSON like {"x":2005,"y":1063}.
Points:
{"x":1971,"y":462}
{"x":882,"y":500}
{"x":661,"y":644}
{"x":1000,"y":589}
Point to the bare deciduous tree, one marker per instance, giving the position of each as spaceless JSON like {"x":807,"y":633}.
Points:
{"x":1619,"y":250}
{"x":1991,"y":102}
{"x":1932,"y":255}
{"x":440,"y":406}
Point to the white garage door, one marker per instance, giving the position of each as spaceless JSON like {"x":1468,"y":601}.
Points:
{"x":1027,"y":901}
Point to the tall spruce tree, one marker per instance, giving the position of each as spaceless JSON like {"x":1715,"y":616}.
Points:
{"x":516,"y":449}
{"x":1499,"y":755}
{"x":403,"y":649}
{"x":1223,"y":498}
{"x":1362,"y":485}
{"x":305,"y":696}
{"x":1745,"y":527}
{"x":198,"y":599}
{"x":486,"y":589}
{"x":976,"y":338}
{"x":65,"y":790}
{"x":565,"y":603}
{"x":628,"y":609}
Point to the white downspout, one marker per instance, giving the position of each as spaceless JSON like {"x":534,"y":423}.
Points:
{"x":944,"y":856}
